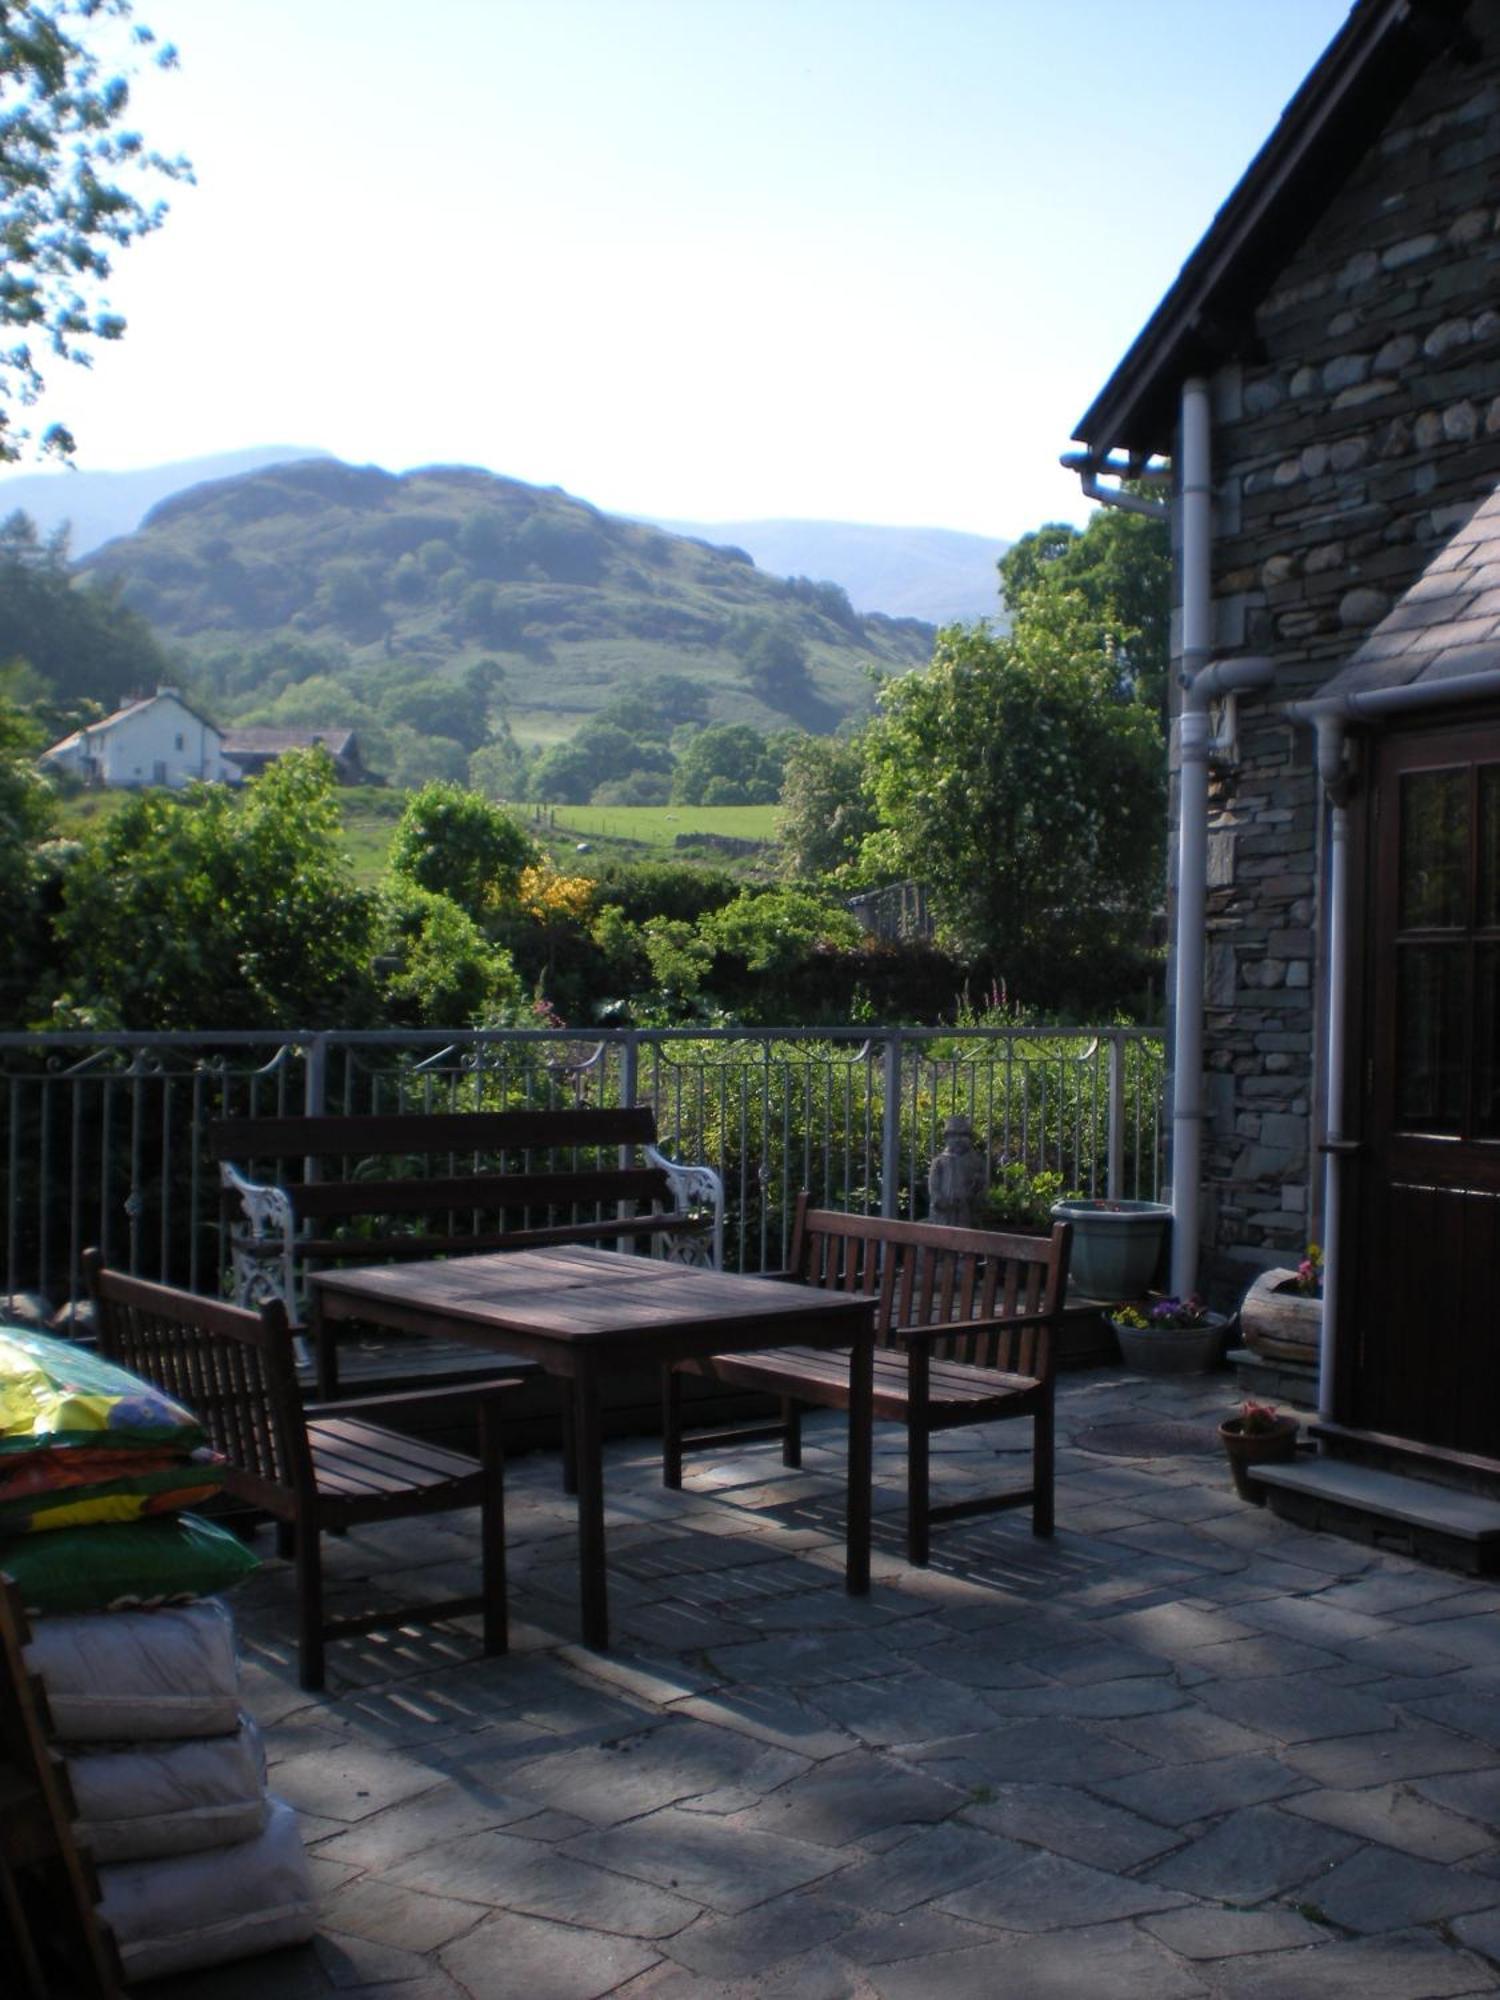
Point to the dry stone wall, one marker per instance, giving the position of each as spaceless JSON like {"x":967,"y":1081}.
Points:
{"x":1346,"y":453}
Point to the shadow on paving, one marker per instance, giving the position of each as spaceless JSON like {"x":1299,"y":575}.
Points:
{"x":1179,"y":1749}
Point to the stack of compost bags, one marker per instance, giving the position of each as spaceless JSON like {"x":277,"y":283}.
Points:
{"x":197,"y":1862}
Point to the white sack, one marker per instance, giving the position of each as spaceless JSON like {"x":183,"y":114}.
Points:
{"x":201,"y":1909}
{"x":173,"y":1798}
{"x":139,"y":1676}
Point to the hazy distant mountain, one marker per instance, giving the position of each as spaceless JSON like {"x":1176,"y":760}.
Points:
{"x":390,"y":580}
{"x":935,"y":574}
{"x":101,"y":505}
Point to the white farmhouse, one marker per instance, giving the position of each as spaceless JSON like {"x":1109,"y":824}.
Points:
{"x":158,"y":741}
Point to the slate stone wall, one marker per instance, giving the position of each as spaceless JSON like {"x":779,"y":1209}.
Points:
{"x":1345,"y":454}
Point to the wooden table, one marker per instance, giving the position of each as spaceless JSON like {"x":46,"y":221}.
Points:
{"x":580,"y":1313}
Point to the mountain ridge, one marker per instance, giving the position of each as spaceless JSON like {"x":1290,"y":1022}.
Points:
{"x":369,"y":579}
{"x":940,"y":575}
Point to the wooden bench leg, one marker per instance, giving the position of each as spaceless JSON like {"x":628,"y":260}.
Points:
{"x":286,"y":1540}
{"x":918,"y":1460}
{"x":492,"y":1531}
{"x":791,"y":1436}
{"x":310,"y":1661}
{"x":671,"y":1429}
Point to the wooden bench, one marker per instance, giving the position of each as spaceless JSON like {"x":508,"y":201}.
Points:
{"x":965,"y":1331}
{"x":301,"y":1194}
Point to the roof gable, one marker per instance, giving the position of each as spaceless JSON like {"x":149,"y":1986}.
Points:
{"x":1447,"y":625}
{"x":1207,"y":317}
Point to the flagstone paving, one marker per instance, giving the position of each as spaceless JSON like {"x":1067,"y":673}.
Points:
{"x":1183,"y":1749}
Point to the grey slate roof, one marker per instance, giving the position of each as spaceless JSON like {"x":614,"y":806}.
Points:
{"x":1446,"y":624}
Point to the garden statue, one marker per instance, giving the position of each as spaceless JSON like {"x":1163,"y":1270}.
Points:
{"x":957,"y":1179}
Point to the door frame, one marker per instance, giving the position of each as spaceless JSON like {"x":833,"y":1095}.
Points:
{"x":1362,"y":1073}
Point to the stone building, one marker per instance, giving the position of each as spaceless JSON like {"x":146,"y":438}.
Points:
{"x":1324,"y":377}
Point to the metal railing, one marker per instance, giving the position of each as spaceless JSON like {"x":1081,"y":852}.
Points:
{"x":104,"y":1134}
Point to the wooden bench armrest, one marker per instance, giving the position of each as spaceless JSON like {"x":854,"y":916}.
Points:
{"x":694,"y":1187}
{"x":269,"y":1231}
{"x":925,"y":1336}
{"x":414,"y":1399}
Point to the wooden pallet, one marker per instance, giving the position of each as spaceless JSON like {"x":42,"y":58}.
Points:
{"x":50,"y":1931}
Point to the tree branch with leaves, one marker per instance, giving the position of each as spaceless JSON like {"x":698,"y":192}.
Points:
{"x":75,"y":188}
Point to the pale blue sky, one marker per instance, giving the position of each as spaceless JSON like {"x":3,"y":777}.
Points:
{"x":708,"y":259}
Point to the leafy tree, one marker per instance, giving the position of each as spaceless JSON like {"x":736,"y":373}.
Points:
{"x":439,"y":708}
{"x":680,"y":961}
{"x":204,"y":910}
{"x":774,"y":929}
{"x":409,"y":760}
{"x":26,"y":817}
{"x":730,"y":764}
{"x":500,"y":769}
{"x":455,"y":843}
{"x":641,"y":788}
{"x":1120,"y":565}
{"x":776,"y":668}
{"x":72,"y":177}
{"x":597,"y":754}
{"x":1019,"y":783}
{"x":438,"y":968}
{"x":826,"y":808}
{"x":78,"y":637}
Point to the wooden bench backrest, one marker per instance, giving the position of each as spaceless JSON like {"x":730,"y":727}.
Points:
{"x":449,"y":1162}
{"x":1001,"y":1294}
{"x":460,"y":1133}
{"x":232,"y":1368}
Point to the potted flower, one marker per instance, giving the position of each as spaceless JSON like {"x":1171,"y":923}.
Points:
{"x":1282,"y":1313}
{"x":1117,"y":1245}
{"x":1258,"y":1435}
{"x":1169,"y":1336}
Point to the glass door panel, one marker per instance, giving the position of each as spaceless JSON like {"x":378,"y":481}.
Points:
{"x":1487,"y":1042}
{"x":1430,"y":1037}
{"x":1434,"y":850}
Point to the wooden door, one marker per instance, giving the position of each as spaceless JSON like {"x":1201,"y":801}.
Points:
{"x":1425,"y":1277}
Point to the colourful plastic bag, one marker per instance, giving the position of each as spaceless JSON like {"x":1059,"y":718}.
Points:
{"x":70,"y":1488}
{"x":133,"y":1563}
{"x":54,"y":1395}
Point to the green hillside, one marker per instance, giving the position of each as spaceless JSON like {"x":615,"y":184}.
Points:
{"x":319,"y":570}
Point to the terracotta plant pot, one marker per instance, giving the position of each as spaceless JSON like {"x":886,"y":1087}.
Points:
{"x":1246,"y":1448}
{"x":1169,"y":1350}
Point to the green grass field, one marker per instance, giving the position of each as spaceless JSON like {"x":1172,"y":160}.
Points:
{"x":639,"y":833}
{"x":659,"y":827}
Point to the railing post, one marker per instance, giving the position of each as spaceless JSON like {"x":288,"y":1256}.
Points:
{"x":890,"y":1126}
{"x":315,"y":1077}
{"x":1116,"y":1181}
{"x":630,"y":1077}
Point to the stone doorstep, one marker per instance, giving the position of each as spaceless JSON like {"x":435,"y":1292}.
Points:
{"x":1465,"y":1521}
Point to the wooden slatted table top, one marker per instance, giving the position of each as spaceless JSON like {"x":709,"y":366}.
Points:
{"x":578,"y":1296}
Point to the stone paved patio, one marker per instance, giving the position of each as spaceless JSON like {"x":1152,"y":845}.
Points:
{"x":1181,"y":1750}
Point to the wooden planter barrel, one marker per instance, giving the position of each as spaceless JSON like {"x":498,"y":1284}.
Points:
{"x":1280,"y":1322}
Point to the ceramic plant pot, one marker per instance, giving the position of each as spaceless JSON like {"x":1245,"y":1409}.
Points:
{"x":1246,"y":1448}
{"x":1117,"y":1245}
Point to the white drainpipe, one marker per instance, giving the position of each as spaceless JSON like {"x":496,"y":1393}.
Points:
{"x":1201,"y":680}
